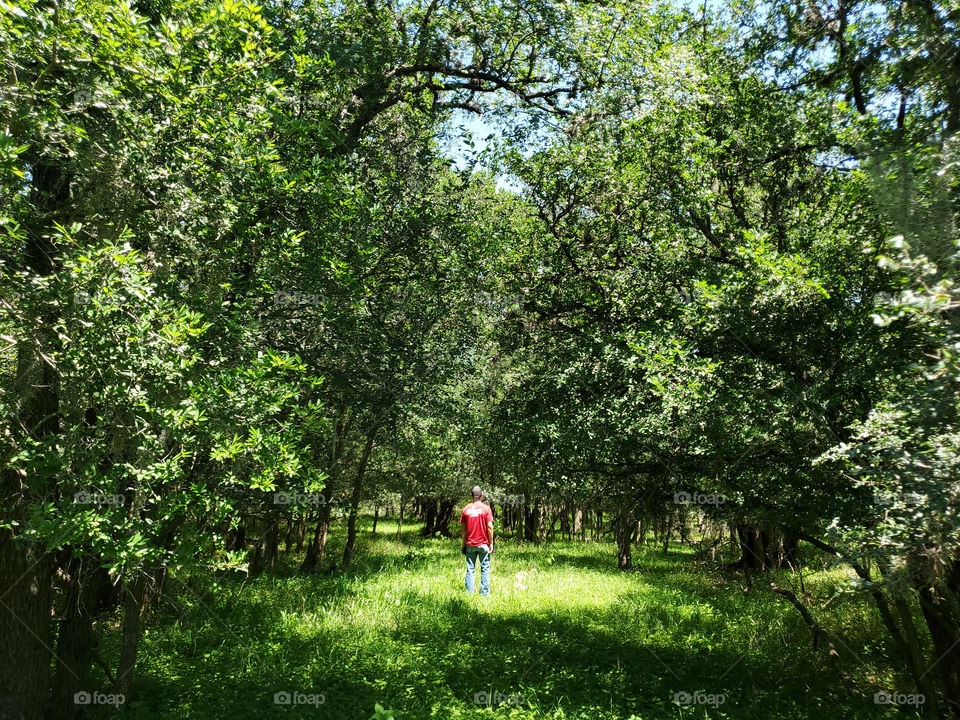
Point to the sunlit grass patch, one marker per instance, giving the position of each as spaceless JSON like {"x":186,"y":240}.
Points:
{"x":563,"y":635}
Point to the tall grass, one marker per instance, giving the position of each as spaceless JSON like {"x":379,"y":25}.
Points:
{"x":564,"y":635}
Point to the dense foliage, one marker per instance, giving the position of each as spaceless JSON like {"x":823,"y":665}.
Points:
{"x":701,"y":277}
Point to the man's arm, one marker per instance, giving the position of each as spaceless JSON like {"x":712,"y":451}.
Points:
{"x":464,"y":535}
{"x":490,"y":530}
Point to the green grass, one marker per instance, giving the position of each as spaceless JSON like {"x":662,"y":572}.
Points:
{"x":563,"y":631}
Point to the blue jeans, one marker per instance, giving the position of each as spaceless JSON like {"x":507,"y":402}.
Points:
{"x":483,"y":553}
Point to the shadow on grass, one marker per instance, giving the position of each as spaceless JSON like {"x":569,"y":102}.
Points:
{"x":595,"y":561}
{"x":596,"y":661}
{"x":451,"y":650}
{"x":224,"y":654}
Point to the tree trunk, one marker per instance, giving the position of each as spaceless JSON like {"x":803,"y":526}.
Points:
{"x":318,"y":545}
{"x":301,"y":531}
{"x":641,"y":533}
{"x":355,"y":501}
{"x":288,"y":539}
{"x":444,"y":518}
{"x":906,"y":649}
{"x":942,"y":615}
{"x":25,"y":578}
{"x":132,"y":607}
{"x":85,"y":592}
{"x":624,"y":537}
{"x":237,"y":538}
{"x":26,"y":569}
{"x":266,"y":550}
{"x":429,"y":517}
{"x":531,"y":523}
{"x":791,"y":551}
{"x":751,"y":548}
{"x":272,"y":545}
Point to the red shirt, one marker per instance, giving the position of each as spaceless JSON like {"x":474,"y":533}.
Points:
{"x":476,"y":515}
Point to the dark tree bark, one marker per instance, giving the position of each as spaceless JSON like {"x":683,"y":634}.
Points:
{"x":300,"y":532}
{"x":318,"y":545}
{"x":355,"y":501}
{"x":667,"y":528}
{"x":532,"y":522}
{"x":624,"y":529}
{"x":237,"y":538}
{"x":941,"y":611}
{"x":909,"y":650}
{"x":26,"y":569}
{"x":444,"y":518}
{"x":762,"y":549}
{"x":25,"y":575}
{"x":266,"y":551}
{"x":272,"y":545}
{"x":429,"y":516}
{"x":133,"y":600}
{"x":288,"y":538}
{"x":85,"y":594}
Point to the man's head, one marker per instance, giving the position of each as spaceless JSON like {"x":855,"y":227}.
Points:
{"x":476,"y":492}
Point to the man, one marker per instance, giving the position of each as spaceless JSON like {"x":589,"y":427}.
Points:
{"x":477,"y":521}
